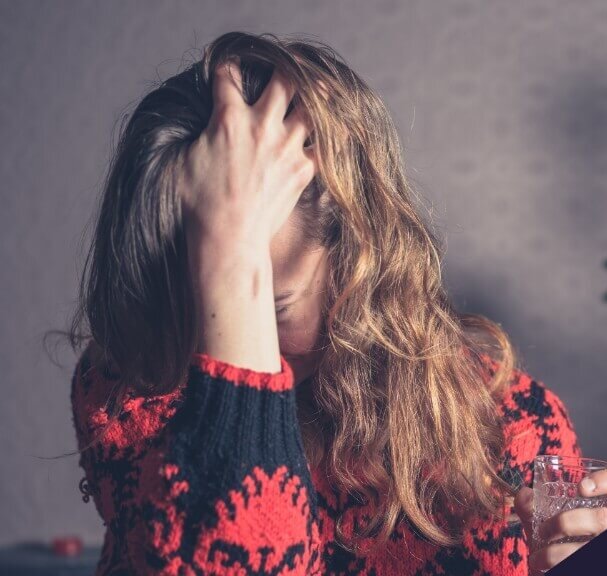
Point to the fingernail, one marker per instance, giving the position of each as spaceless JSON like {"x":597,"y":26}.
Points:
{"x":588,"y":484}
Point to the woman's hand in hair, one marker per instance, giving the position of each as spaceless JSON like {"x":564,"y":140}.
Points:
{"x":582,"y":523}
{"x":243,"y":176}
{"x":238,"y":184}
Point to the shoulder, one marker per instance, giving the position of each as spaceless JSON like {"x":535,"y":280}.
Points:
{"x":535,"y":421}
{"x":102,"y":403}
{"x":94,"y":378}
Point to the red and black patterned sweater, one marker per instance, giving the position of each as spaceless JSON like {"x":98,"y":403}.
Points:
{"x":212,"y":479}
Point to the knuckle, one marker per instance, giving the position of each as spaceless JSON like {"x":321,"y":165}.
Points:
{"x":261,"y":131}
{"x":562,"y":523}
{"x":226,"y":118}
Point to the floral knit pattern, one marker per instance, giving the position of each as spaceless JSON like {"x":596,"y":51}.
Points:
{"x":211,"y":479}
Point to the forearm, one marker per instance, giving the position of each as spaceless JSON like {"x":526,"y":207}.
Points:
{"x":235,"y":306}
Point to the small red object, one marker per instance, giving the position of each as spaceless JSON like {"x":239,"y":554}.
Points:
{"x":67,"y":546}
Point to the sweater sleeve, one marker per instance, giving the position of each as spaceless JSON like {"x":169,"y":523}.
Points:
{"x":208,"y":479}
{"x":535,"y":422}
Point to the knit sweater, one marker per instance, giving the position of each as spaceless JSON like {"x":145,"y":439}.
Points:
{"x":212,"y":479}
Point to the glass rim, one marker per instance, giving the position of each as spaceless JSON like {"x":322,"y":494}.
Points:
{"x":570,"y":461}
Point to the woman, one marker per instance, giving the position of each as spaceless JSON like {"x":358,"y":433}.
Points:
{"x":275,"y":381}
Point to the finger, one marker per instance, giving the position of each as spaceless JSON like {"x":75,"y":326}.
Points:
{"x":298,"y":126}
{"x":227,"y":86}
{"x":595,"y":484}
{"x":275,"y":98}
{"x":523,"y":504}
{"x":312,"y":160}
{"x":549,"y":556}
{"x":576,"y":522}
{"x":305,"y":171}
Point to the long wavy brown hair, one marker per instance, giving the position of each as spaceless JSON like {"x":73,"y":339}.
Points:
{"x":402,"y":409}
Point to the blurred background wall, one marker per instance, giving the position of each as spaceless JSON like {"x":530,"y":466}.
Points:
{"x":502,"y":112}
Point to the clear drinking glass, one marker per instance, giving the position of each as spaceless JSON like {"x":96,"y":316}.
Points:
{"x":555,"y":488}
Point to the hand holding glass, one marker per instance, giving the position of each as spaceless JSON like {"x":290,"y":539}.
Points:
{"x":556,"y":489}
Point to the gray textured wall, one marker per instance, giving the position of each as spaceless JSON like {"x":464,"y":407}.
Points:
{"x":502,"y":110}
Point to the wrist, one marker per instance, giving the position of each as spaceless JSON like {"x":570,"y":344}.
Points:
{"x":236,"y":318}
{"x":230,"y":252}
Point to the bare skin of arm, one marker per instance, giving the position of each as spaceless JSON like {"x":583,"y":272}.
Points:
{"x":237,"y":321}
{"x":238,"y":184}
